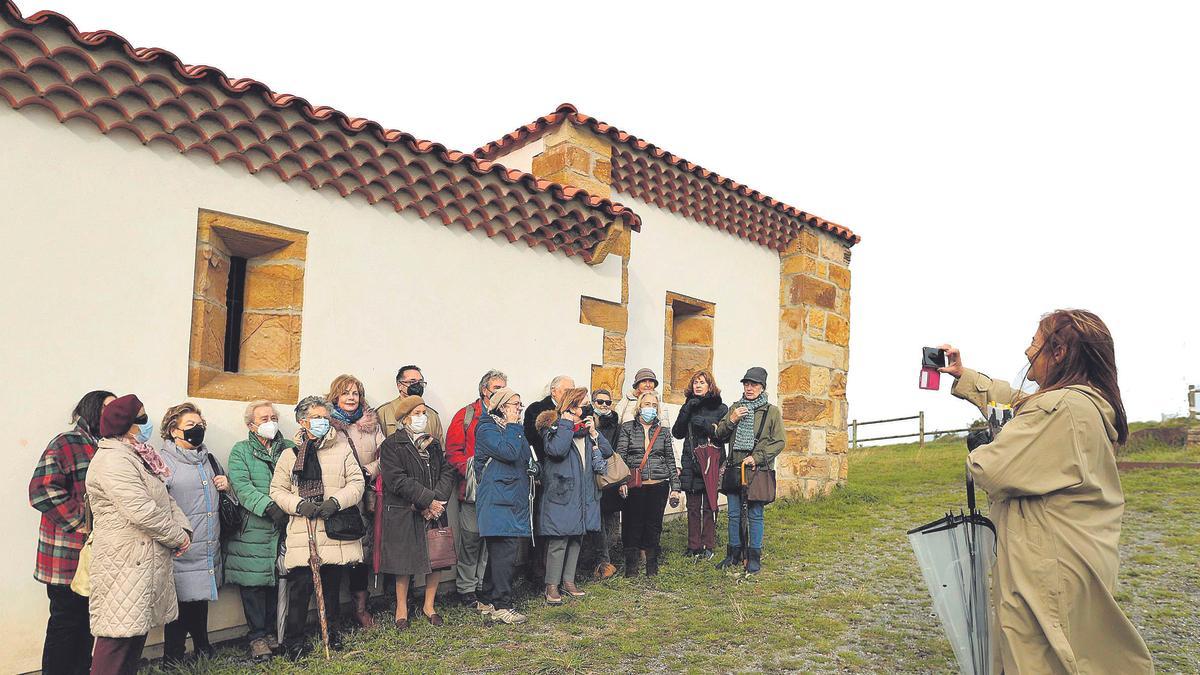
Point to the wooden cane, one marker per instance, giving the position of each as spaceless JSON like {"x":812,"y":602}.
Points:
{"x":314,"y":562}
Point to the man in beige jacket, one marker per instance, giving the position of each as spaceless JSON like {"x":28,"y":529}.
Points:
{"x":1056,"y":500}
{"x":409,"y":382}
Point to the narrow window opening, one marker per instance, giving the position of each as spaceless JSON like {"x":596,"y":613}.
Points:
{"x":234,"y":296}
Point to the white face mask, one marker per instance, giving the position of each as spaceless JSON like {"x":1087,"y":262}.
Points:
{"x":268,"y":430}
{"x":417,"y":423}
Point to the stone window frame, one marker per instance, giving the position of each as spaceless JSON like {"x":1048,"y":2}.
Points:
{"x":699,"y":341}
{"x":273,"y":302}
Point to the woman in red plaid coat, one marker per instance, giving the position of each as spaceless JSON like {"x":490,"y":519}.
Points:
{"x":57,"y":491}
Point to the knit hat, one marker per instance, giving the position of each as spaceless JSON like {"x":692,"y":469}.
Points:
{"x":406,"y":405}
{"x":500,"y":398}
{"x":756,"y":374}
{"x":645,"y":374}
{"x":116,"y":419}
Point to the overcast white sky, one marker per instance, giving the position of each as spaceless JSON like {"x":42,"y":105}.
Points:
{"x":999,"y":161}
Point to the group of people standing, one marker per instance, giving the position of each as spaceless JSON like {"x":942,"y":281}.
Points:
{"x":376,"y":492}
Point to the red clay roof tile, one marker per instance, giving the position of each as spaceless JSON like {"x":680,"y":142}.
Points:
{"x":638,"y":174}
{"x":158,"y":99}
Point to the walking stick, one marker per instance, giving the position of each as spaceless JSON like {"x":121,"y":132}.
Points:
{"x":314,"y":562}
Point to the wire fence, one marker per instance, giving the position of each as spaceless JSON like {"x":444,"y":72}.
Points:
{"x":920,"y":434}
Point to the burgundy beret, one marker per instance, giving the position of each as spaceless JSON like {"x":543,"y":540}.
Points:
{"x":117,"y":417}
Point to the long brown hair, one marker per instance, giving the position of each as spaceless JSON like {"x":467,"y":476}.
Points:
{"x":571,"y":398}
{"x":713,"y":389}
{"x":1090,"y":358}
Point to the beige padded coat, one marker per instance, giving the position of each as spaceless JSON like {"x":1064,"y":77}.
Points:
{"x":343,"y":480}
{"x":137,"y":527}
{"x":1056,"y":499}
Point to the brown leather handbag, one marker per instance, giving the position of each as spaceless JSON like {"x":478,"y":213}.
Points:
{"x":439,"y":541}
{"x":760,"y":485}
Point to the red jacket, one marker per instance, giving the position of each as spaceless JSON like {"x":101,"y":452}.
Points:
{"x":460,"y":441}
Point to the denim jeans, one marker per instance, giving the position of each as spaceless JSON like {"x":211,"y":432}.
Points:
{"x":755,"y":510}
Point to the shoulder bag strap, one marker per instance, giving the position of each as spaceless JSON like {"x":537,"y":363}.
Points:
{"x":649,"y":447}
{"x":354,"y":450}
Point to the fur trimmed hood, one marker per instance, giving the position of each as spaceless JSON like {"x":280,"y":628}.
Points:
{"x":367,"y":424}
{"x":545,"y":420}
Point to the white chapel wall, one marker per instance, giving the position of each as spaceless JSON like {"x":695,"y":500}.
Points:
{"x":100,"y":234}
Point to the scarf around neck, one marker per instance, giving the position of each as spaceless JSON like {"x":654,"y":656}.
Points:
{"x":348,"y":418}
{"x":306,"y":473}
{"x":154,"y":461}
{"x":743,"y":439}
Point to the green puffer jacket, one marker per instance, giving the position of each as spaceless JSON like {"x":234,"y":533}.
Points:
{"x":250,"y":554}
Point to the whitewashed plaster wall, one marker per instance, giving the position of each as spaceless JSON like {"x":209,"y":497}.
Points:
{"x":100,"y":234}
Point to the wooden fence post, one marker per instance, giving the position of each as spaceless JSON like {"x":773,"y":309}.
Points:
{"x":854,"y":436}
{"x":1192,"y":401}
{"x":921,"y":422}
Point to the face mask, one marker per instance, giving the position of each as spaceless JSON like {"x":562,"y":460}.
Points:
{"x":649,"y":415}
{"x":144,"y":432}
{"x":318,"y":427}
{"x":268,"y":430}
{"x":416,"y":389}
{"x":417,"y":423}
{"x":194,"y":436}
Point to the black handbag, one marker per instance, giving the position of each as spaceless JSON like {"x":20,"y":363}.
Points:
{"x":346,"y":525}
{"x":231,"y":514}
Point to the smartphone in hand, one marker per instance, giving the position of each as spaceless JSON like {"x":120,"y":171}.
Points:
{"x":932,"y":358}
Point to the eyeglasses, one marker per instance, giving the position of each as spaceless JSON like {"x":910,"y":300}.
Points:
{"x":601,"y":402}
{"x":409,"y":383}
{"x":514,"y":405}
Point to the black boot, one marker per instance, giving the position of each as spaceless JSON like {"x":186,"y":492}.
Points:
{"x":652,"y":562}
{"x":632,"y":558}
{"x":753,"y":560}
{"x":733,"y":556}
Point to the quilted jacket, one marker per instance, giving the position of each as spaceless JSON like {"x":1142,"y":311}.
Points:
{"x":343,"y":481}
{"x":136,"y":527}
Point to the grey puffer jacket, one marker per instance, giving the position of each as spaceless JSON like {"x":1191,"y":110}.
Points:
{"x":660,"y":464}
{"x":198,"y":572}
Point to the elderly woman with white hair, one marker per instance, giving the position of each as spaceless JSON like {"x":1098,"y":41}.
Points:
{"x":250,"y":552}
{"x":315,"y":481}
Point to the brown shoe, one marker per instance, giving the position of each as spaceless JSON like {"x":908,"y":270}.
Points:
{"x":605,"y":571}
{"x":434,"y":618}
{"x":402,"y":624}
{"x":552,"y":596}
{"x":361,"y":615}
{"x":572,"y":590}
{"x":260,"y":649}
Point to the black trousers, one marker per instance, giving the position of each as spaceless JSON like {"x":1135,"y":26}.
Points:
{"x":359,"y":576}
{"x":642,"y":517}
{"x":300,"y":590}
{"x":68,"y":648}
{"x":498,"y":575}
{"x":261,"y":606}
{"x":193,"y":620}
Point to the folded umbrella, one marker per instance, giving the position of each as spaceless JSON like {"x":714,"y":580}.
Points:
{"x":955,"y":554}
{"x":709,"y":459}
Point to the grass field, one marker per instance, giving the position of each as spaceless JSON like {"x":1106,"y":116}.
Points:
{"x":840,"y":593}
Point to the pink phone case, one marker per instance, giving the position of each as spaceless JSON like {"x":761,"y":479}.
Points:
{"x":930,"y":378}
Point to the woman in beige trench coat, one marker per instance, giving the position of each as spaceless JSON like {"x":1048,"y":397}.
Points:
{"x":1056,"y":499}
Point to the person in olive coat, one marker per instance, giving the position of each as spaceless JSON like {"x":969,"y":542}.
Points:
{"x":250,"y":552}
{"x":574,"y":453}
{"x":695,"y":425}
{"x":417,"y":481}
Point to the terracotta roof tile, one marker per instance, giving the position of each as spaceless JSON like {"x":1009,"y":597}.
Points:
{"x":148,"y":93}
{"x":651,"y":174}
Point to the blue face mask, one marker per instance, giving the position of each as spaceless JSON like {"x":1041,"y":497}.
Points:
{"x":649,"y":415}
{"x":144,"y":432}
{"x":318,"y":427}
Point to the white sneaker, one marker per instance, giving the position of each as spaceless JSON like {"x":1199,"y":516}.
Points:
{"x":484,"y":609}
{"x":508,"y":616}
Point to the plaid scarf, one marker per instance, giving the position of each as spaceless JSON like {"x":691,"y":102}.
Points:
{"x":743,"y":438}
{"x":306,"y":474}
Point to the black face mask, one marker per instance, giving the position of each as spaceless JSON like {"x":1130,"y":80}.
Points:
{"x":195,"y":435}
{"x":416,"y":389}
